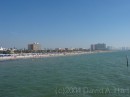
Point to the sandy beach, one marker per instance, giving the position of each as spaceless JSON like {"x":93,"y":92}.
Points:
{"x":36,"y":55}
{"x":41,"y":55}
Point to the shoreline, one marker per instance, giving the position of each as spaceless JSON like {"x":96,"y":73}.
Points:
{"x":41,"y":55}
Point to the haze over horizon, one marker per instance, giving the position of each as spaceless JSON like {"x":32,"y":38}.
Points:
{"x":64,"y":23}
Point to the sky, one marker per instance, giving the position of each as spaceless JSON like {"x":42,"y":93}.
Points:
{"x":64,"y":23}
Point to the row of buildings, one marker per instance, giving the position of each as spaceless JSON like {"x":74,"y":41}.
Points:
{"x":99,"y":46}
{"x":5,"y":49}
{"x":36,"y":46}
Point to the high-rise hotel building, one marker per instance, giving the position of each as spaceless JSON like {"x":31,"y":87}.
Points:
{"x":34,"y":46}
{"x":98,"y":46}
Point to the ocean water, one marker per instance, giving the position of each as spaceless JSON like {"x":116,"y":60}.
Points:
{"x":92,"y":75}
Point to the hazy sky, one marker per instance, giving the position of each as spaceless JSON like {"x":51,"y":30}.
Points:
{"x":64,"y":23}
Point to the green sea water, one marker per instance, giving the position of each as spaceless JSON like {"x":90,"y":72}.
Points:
{"x":92,"y":75}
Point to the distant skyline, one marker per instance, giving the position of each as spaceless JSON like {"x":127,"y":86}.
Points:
{"x":64,"y":23}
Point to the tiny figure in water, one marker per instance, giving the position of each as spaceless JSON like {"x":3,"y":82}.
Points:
{"x":127,"y":60}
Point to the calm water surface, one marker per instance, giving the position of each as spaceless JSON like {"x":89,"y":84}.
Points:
{"x":94,"y":75}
